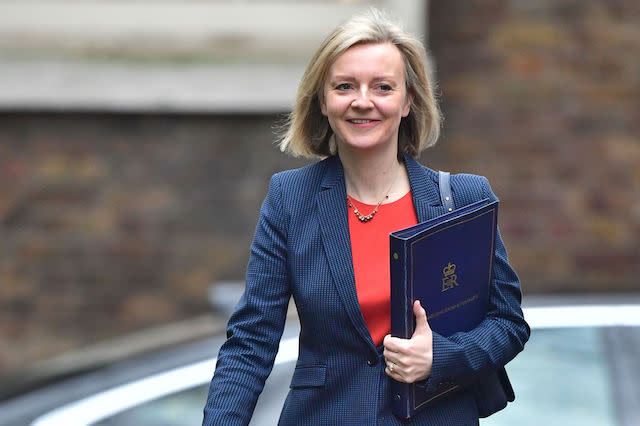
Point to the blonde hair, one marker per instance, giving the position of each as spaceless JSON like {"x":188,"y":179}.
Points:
{"x":307,"y":132}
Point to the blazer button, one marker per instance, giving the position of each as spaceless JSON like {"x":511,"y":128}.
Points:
{"x":372,"y":361}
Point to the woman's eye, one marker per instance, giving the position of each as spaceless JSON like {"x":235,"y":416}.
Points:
{"x":343,"y":86}
{"x":384,"y":88}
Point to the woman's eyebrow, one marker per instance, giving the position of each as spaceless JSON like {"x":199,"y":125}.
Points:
{"x":386,"y":76}
{"x":341,"y":77}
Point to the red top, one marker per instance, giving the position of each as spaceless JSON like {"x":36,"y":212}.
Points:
{"x":370,"y":252}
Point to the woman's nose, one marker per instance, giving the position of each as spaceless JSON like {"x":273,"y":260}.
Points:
{"x":362,"y":100}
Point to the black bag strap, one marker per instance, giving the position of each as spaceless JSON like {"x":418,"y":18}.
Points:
{"x":444,"y":183}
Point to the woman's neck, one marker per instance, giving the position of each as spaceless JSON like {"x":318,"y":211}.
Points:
{"x":371,"y":177}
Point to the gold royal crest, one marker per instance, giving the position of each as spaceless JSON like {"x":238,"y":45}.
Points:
{"x":449,"y":277}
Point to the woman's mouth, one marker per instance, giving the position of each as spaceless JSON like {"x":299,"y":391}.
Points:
{"x":362,"y":122}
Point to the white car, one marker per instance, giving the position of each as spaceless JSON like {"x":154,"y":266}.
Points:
{"x":580,"y":367}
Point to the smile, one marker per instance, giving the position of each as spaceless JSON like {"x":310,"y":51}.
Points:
{"x":362,"y":123}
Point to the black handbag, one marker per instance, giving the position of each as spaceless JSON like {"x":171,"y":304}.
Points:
{"x":491,"y":391}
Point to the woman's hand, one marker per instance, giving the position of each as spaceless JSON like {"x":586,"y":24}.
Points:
{"x":410,"y":360}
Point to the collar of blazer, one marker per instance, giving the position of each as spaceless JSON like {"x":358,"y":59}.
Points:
{"x":334,"y":228}
{"x":423,"y":181}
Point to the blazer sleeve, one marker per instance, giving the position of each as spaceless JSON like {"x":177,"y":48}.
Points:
{"x":254,"y":329}
{"x":464,"y":356}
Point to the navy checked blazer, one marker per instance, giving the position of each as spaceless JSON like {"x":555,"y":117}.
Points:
{"x":301,"y":249}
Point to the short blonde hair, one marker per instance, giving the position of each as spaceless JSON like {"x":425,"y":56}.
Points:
{"x":307,"y":131}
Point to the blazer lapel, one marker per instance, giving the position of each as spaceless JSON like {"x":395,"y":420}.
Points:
{"x":424,"y":190}
{"x":334,"y":227}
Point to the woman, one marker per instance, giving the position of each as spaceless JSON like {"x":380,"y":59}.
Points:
{"x":366,"y":104}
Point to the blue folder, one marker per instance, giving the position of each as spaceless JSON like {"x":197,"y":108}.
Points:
{"x":446,"y":263}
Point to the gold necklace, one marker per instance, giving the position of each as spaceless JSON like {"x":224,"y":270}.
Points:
{"x":368,"y":217}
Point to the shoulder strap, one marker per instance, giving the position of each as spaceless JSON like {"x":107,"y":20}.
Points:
{"x":445,"y":190}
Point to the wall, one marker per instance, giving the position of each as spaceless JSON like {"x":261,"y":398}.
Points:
{"x":110,"y":223}
{"x":544,"y":98}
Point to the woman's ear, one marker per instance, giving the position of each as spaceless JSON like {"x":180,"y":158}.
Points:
{"x":408,"y":101}
{"x":323,"y":104}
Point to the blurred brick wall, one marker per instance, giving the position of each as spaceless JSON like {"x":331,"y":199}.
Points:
{"x":110,"y":223}
{"x":543,"y":97}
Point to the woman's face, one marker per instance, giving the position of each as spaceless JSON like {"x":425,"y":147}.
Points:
{"x":365,"y":96}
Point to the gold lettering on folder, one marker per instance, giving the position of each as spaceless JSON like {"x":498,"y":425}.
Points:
{"x":449,"y":277}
